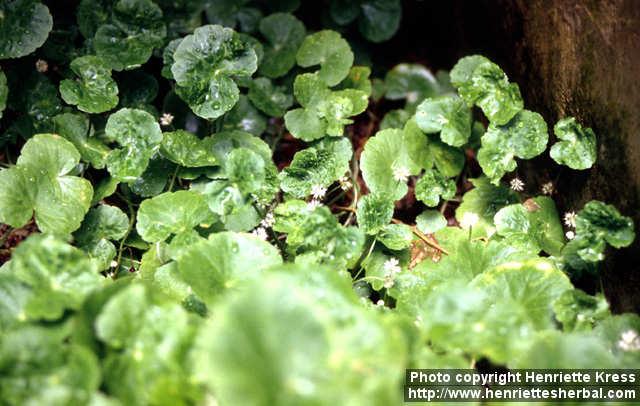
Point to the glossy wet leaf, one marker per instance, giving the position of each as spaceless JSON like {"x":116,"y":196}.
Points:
{"x":24,"y":27}
{"x":576,"y":146}
{"x":184,"y":148}
{"x":481,"y":82}
{"x":204,"y":64}
{"x":42,"y":187}
{"x":139,"y":136}
{"x":284,"y":34}
{"x":525,"y":136}
{"x":316,"y":237}
{"x":134,"y":30}
{"x":447,"y":115}
{"x":102,"y":225}
{"x":329,"y":50}
{"x":95,"y":91}
{"x":323,"y":112}
{"x":170,"y":213}
{"x":433,"y":186}
{"x":319,"y":165}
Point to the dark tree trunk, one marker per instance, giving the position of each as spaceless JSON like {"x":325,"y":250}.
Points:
{"x":571,"y":58}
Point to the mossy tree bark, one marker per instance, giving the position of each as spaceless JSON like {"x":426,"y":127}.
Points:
{"x":571,"y":58}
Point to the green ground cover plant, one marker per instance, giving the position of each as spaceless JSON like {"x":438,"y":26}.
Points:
{"x":200,"y":220}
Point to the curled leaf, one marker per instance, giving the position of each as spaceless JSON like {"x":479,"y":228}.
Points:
{"x":204,"y":64}
{"x":329,"y":50}
{"x":24,"y":27}
{"x":40,"y":184}
{"x":576,"y":147}
{"x":139,"y":136}
{"x":95,"y":91}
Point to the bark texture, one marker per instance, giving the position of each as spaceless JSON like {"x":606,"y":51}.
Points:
{"x":571,"y":58}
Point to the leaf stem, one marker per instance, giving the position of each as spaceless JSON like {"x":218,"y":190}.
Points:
{"x":132,"y":220}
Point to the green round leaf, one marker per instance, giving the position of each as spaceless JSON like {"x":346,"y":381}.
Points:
{"x":525,"y":136}
{"x":223,"y":261}
{"x":95,"y":91}
{"x":395,"y":236}
{"x":532,"y":285}
{"x":329,"y":50}
{"x":374,"y":212}
{"x":272,"y":100}
{"x":284,"y":34}
{"x":447,"y":115}
{"x":603,"y":221}
{"x":170,"y":213}
{"x":60,"y":276}
{"x":484,"y":200}
{"x":245,"y":169}
{"x":483,"y":83}
{"x":186,"y":149}
{"x":40,"y":183}
{"x":411,"y":82}
{"x":76,"y":128}
{"x":204,"y":64}
{"x":577,"y":147}
{"x":139,"y":135}
{"x":135,"y":29}
{"x":319,"y":165}
{"x":385,"y":163}
{"x":379,"y":19}
{"x":24,"y":27}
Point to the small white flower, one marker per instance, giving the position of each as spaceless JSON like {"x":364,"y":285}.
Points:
{"x":313,"y":204}
{"x":570,"y":219}
{"x":268,"y":220}
{"x":42,"y":66}
{"x":113,"y":264}
{"x":570,"y":235}
{"x":166,"y":119}
{"x":469,"y":219}
{"x":629,"y":341}
{"x":388,"y":282}
{"x":318,"y":192}
{"x":391,"y":266}
{"x":401,"y":174}
{"x":260,"y":232}
{"x":547,"y":188}
{"x":517,"y":184}
{"x":345,"y":183}
{"x":380,"y":303}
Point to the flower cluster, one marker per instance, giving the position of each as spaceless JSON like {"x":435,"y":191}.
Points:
{"x":391,"y":268}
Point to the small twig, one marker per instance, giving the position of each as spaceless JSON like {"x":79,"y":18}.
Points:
{"x":414,"y":229}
